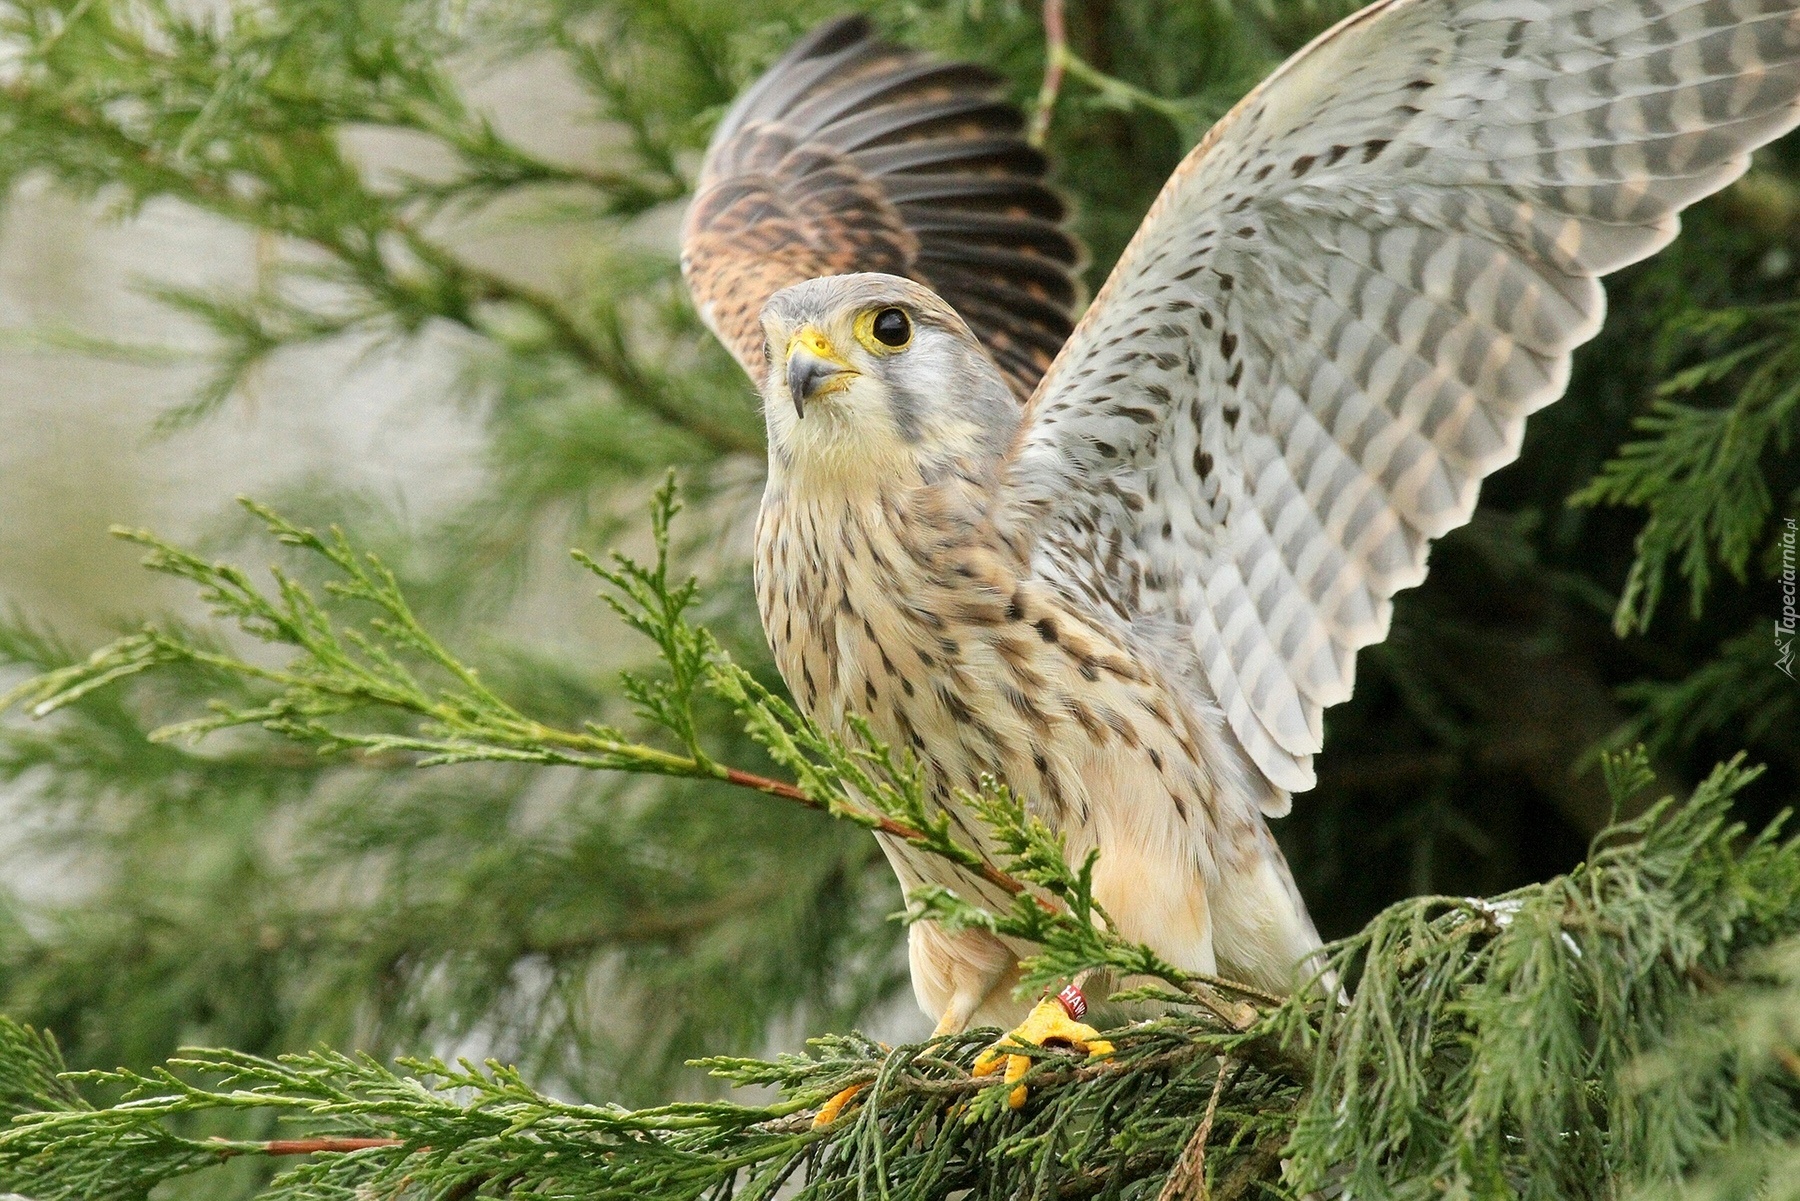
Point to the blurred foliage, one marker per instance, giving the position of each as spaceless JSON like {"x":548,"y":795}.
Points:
{"x":598,"y":930}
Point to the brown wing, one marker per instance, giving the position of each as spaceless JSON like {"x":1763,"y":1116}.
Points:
{"x":852,"y":154}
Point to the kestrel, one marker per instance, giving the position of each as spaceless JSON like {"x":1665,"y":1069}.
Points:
{"x":1132,"y":596}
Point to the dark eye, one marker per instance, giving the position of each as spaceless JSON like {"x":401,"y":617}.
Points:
{"x":892,"y":327}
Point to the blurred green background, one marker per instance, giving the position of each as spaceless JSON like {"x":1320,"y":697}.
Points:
{"x":409,"y":266}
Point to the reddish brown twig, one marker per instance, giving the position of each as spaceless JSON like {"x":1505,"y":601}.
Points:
{"x":780,"y":788}
{"x":885,"y":825}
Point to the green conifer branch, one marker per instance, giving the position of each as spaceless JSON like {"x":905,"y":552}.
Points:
{"x":1512,"y":1034}
{"x":1609,"y":1031}
{"x":1698,"y":466}
{"x":440,"y":1128}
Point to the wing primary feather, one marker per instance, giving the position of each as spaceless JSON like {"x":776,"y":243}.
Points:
{"x":913,"y":78}
{"x":997,"y":155}
{"x":1028,"y":234}
{"x":981,"y":194}
{"x":922,"y":120}
{"x":814,"y":58}
{"x":852,"y":154}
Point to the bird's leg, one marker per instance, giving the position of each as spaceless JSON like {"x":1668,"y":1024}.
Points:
{"x":953,"y":1020}
{"x":1054,"y":1022}
{"x":963,"y":1004}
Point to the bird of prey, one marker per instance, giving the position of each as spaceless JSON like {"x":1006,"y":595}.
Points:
{"x":1125,"y":568}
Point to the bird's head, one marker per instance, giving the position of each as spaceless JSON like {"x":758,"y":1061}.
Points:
{"x":874,"y":375}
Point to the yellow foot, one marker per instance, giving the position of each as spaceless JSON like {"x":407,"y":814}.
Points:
{"x":828,"y":1112}
{"x":1050,"y":1024}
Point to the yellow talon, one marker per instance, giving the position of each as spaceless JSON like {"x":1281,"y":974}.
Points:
{"x":1047,"y":1025}
{"x":828,"y":1112}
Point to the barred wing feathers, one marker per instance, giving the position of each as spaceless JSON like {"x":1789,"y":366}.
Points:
{"x":1335,"y":319}
{"x":851,"y":154}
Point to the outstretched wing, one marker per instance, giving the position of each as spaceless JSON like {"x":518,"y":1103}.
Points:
{"x":1342,"y":307}
{"x":851,"y":154}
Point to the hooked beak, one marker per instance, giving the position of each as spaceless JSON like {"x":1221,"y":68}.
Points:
{"x":813,"y":367}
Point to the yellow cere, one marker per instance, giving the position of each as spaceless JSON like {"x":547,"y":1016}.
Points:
{"x":811,"y":339}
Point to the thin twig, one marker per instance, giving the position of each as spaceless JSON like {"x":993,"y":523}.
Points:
{"x":314,"y":1146}
{"x":1056,"y":40}
{"x":1235,"y":986}
{"x":1188,"y":1177}
{"x":309,"y":1146}
{"x":885,"y":825}
{"x":1238,"y":1017}
{"x":1119,"y":92}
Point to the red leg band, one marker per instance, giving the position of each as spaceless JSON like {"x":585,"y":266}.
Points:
{"x":1073,"y":1003}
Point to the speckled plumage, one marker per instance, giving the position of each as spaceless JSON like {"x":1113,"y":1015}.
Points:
{"x":1134,"y":600}
{"x":889,"y":591}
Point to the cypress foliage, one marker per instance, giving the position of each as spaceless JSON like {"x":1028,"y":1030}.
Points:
{"x":1615,"y":1029}
{"x":265,"y":869}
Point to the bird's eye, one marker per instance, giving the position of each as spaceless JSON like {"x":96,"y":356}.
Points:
{"x":892,"y":327}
